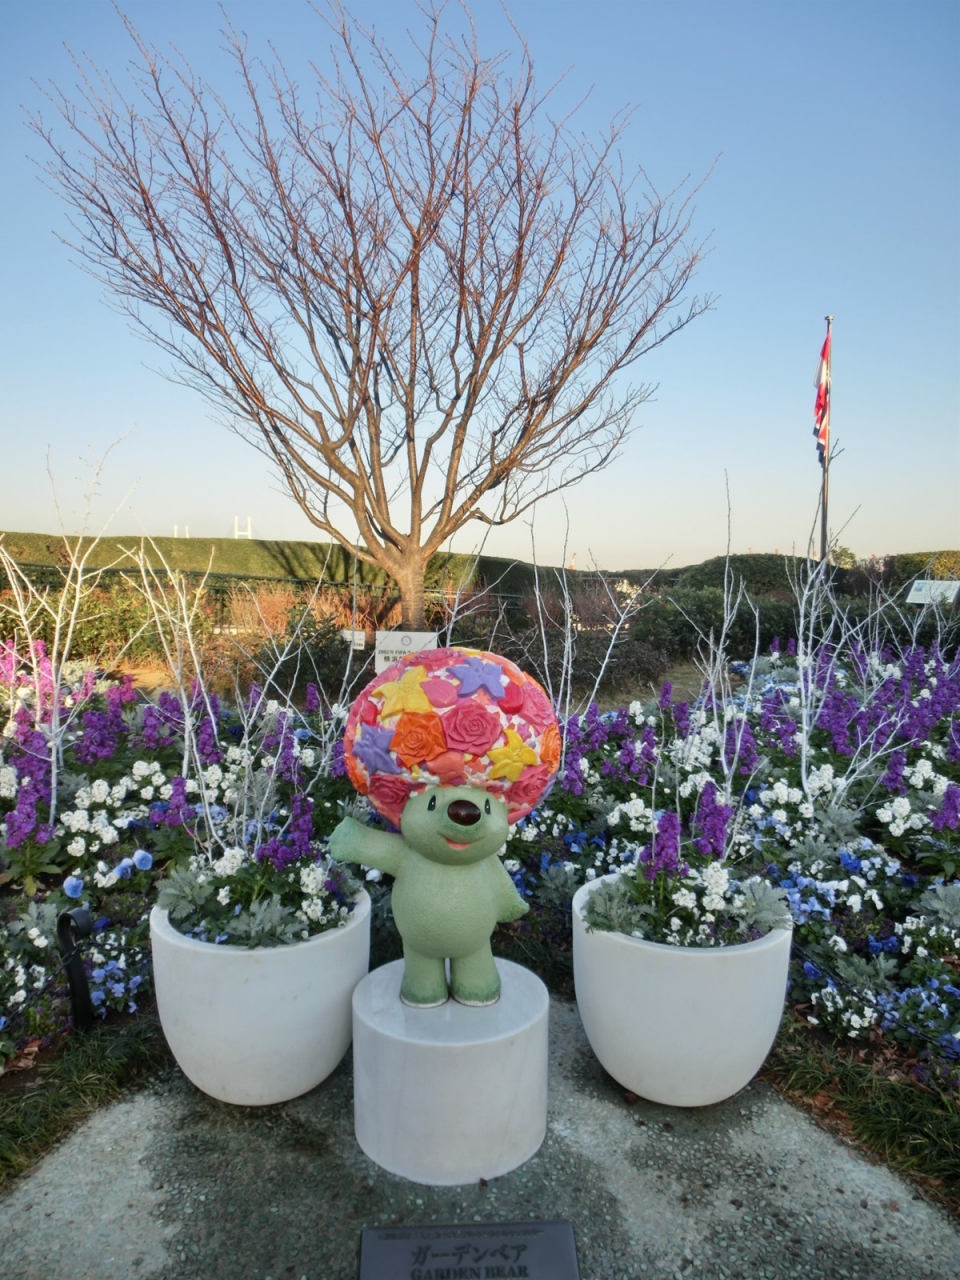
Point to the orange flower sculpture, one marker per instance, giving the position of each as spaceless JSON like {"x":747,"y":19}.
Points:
{"x":452,"y":717}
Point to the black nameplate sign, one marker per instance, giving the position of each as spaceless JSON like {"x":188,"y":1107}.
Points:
{"x":470,"y":1251}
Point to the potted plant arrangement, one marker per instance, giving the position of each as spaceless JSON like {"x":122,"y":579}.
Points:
{"x":681,"y":950}
{"x":258,"y":939}
{"x":680,"y":964}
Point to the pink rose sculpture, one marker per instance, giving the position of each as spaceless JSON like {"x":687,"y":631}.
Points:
{"x":452,"y":717}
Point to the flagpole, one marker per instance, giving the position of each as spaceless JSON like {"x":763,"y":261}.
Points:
{"x":826,"y":452}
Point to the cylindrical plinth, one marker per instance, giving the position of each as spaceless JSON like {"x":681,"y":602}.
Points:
{"x":453,"y":1094}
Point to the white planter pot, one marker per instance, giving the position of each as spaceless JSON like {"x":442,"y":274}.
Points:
{"x":685,"y":1026}
{"x":258,"y":1026}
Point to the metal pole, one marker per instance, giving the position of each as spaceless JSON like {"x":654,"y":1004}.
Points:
{"x":826,"y":451}
{"x":71,"y":927}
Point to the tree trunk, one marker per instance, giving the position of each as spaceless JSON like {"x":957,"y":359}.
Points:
{"x":412,"y":599}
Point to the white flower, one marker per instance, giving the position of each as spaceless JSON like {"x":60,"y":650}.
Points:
{"x":77,"y":848}
{"x":231,"y":862}
{"x":100,"y":790}
{"x":223,"y":896}
{"x":837,"y":943}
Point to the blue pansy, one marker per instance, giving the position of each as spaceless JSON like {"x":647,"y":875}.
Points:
{"x":73,"y":886}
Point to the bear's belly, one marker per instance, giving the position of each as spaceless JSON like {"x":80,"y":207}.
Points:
{"x":444,"y":911}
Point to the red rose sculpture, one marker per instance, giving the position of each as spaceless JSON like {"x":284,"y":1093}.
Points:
{"x":452,"y":717}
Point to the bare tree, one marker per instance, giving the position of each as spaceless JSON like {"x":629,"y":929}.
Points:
{"x":413,"y":291}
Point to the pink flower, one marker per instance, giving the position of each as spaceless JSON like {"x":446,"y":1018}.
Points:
{"x":523,"y":794}
{"x":469,"y":726}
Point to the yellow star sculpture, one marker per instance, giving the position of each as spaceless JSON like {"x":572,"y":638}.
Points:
{"x":404,"y":694}
{"x":509,"y":761}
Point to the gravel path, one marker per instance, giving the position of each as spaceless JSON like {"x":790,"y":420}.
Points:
{"x":171,"y":1185}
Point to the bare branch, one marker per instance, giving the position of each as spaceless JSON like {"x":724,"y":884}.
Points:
{"x":415,"y":293}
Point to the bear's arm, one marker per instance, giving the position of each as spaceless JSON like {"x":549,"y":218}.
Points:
{"x":510,"y":905}
{"x":352,"y":841}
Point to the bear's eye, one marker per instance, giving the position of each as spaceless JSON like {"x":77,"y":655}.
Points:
{"x":432,"y":803}
{"x":486,"y":806}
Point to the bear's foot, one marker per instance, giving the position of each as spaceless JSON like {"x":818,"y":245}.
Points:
{"x":474,"y":979}
{"x":424,"y":984}
{"x":422,"y":1004}
{"x":476,"y":1004}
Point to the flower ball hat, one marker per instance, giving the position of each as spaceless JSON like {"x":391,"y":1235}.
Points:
{"x":452,"y":717}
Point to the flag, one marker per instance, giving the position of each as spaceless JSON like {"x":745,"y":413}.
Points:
{"x":821,"y":412}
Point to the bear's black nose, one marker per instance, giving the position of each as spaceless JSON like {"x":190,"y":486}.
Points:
{"x":463,"y":812}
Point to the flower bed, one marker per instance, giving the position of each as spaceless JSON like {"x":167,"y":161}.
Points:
{"x":830,"y":774}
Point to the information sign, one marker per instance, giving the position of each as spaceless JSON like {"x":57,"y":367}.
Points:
{"x":931,"y":592}
{"x":392,"y":645}
{"x":470,"y":1251}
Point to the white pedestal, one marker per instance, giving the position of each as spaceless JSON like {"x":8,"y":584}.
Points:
{"x":453,"y":1094}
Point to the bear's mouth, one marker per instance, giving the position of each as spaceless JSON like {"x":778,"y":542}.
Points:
{"x":458,"y":844}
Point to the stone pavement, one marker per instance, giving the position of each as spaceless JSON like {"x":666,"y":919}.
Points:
{"x":168,"y":1184}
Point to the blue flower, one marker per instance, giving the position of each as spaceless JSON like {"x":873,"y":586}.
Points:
{"x":143,"y":860}
{"x":97,"y":997}
{"x":811,"y":970}
{"x":73,"y":886}
{"x":98,"y":975}
{"x":124,"y":869}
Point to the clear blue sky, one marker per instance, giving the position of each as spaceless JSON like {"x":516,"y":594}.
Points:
{"x":837,"y":189}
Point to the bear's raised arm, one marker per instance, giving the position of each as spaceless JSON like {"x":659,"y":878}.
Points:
{"x":353,"y":841}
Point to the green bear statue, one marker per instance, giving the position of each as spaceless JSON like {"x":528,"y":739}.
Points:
{"x":451,"y":746}
{"x":450,"y":889}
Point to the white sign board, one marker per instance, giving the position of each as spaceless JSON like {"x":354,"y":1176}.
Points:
{"x":944,"y":592}
{"x":355,"y":639}
{"x":392,"y":645}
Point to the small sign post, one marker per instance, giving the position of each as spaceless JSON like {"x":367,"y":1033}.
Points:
{"x":393,"y":645}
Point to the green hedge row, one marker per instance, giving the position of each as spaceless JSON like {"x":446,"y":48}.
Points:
{"x":302,"y":561}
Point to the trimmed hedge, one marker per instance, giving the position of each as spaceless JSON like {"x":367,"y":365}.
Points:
{"x":302,"y":561}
